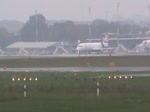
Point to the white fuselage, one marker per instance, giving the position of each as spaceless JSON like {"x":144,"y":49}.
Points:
{"x":89,"y":47}
{"x":144,"y":45}
{"x":147,"y":43}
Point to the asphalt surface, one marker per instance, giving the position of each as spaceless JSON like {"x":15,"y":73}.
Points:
{"x":77,"y":69}
{"x":70,"y":55}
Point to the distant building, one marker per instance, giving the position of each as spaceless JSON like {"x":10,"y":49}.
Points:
{"x":37,"y":48}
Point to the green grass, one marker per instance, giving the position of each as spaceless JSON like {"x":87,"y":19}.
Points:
{"x":65,"y":92}
{"x":83,"y":61}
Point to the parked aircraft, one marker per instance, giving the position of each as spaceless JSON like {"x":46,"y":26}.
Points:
{"x":144,"y":46}
{"x":96,"y":47}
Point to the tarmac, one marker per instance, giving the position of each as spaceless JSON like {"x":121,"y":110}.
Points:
{"x":77,"y":69}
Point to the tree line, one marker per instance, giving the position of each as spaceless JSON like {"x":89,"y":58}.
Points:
{"x":38,"y":29}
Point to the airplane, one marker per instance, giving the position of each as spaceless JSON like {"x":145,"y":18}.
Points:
{"x":138,"y":38}
{"x":145,"y":45}
{"x":96,"y":47}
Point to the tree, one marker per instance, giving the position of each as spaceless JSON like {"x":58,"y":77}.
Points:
{"x":99,"y":27}
{"x":36,"y":29}
{"x":66,"y":31}
{"x":6,"y":38}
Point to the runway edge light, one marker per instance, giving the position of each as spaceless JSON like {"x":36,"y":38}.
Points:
{"x":24,"y":79}
{"x":18,"y":79}
{"x":120,"y":77}
{"x":13,"y":79}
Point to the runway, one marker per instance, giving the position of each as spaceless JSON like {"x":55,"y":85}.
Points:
{"x":70,"y":55}
{"x":77,"y":69}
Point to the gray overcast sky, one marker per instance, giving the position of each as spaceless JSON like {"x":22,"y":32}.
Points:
{"x":72,"y":9}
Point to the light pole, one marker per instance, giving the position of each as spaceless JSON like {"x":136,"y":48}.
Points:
{"x":36,"y":26}
{"x":90,"y":24}
{"x":149,"y":16}
{"x":118,"y":28}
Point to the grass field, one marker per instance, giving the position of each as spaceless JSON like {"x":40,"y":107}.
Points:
{"x":83,"y":61}
{"x":74,"y":92}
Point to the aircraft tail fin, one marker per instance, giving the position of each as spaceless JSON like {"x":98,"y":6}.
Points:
{"x":104,"y":41}
{"x":107,"y":35}
{"x":106,"y":38}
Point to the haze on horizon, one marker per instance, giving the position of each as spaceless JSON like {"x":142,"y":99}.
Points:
{"x":77,"y":10}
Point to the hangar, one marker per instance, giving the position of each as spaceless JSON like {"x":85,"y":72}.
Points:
{"x":37,"y":48}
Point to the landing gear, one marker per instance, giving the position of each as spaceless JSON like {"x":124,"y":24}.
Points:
{"x":78,"y":53}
